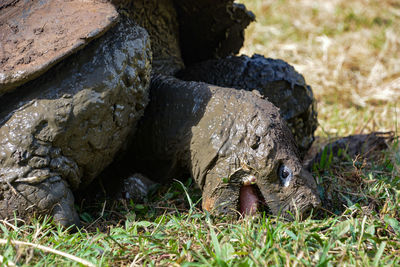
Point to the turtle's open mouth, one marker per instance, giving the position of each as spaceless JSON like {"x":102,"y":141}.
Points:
{"x":251,"y":200}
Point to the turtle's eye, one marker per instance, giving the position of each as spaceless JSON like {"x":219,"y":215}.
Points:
{"x":285,"y":174}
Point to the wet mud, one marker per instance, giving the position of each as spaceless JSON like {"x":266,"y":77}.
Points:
{"x":211,"y":29}
{"x":160,"y":20}
{"x":187,"y":31}
{"x":59,"y":131}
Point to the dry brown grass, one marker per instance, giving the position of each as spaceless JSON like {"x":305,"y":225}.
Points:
{"x":348,"y":51}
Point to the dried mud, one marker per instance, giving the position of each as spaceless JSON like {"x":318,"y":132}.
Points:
{"x":35,"y":35}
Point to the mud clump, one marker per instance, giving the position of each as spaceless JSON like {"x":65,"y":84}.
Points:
{"x":349,"y":147}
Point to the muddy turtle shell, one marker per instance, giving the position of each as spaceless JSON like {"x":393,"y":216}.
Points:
{"x":35,"y":35}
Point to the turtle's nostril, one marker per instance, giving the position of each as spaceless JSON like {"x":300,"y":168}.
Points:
{"x":249,"y":180}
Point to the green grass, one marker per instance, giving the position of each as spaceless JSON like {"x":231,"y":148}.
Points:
{"x":360,"y":228}
{"x":349,"y":51}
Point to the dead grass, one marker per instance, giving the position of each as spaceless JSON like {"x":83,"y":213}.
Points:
{"x":348,"y":51}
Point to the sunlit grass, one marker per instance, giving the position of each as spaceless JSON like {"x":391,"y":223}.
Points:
{"x":348,"y":51}
{"x":361,"y":227}
{"x":196,"y":239}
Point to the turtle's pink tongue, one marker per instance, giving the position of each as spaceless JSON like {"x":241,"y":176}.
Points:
{"x":248,"y":200}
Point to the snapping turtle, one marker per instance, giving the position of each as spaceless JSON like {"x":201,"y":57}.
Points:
{"x":74,"y":83}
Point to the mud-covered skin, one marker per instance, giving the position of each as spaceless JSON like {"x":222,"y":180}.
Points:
{"x":58,"y":132}
{"x":51,"y":196}
{"x":220,"y":136}
{"x":275,"y":79}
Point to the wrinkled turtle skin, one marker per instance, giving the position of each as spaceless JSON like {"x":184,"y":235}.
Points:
{"x":195,"y":128}
{"x":209,"y":35}
{"x":275,"y":79}
{"x":59,"y":131}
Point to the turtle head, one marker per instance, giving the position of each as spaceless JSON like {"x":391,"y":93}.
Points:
{"x":267,"y":176}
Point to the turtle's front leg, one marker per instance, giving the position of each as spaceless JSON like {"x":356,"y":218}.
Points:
{"x":57,"y":133}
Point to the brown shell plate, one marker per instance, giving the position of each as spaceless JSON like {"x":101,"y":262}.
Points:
{"x":37,"y":34}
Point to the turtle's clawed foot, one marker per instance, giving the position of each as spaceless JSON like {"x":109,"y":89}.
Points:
{"x":52,"y":196}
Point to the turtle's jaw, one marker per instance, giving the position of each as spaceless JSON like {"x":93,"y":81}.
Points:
{"x":249,"y":199}
{"x":238,"y":198}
